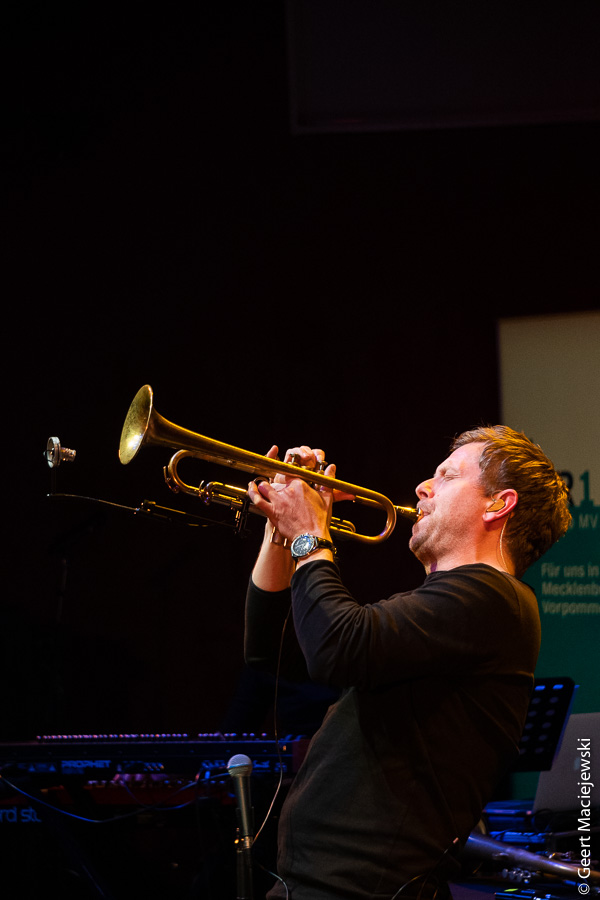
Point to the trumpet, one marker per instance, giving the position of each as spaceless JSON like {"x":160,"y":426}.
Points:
{"x":482,"y":847}
{"x":145,"y":426}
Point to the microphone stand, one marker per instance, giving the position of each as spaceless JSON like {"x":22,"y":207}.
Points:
{"x":243,"y":871}
{"x":240,"y":768}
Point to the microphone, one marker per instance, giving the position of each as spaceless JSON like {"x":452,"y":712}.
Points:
{"x":240,"y":769}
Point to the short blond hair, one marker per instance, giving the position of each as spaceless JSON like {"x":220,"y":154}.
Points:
{"x":509,"y":459}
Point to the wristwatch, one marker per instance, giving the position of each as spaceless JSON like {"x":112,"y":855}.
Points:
{"x":305,"y":544}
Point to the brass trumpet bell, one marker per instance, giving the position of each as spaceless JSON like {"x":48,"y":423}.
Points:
{"x":144,"y":426}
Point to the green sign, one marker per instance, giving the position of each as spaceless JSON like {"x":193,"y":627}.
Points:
{"x":567,"y":584}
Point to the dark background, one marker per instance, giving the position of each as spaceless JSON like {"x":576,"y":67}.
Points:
{"x":226,"y":204}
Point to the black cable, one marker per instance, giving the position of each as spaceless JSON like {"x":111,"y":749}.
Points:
{"x":156,"y":806}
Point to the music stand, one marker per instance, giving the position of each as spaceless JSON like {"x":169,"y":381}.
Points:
{"x":549,"y":709}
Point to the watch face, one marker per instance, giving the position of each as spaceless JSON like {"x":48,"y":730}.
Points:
{"x":303,"y":544}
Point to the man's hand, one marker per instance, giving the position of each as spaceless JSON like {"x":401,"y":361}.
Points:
{"x":292,"y":506}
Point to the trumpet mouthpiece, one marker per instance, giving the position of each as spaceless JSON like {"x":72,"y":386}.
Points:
{"x":408,"y":512}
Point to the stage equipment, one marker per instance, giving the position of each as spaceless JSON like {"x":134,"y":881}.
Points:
{"x":240,"y":769}
{"x":145,"y":426}
{"x":55,"y":454}
{"x":64,"y":782}
{"x":100,"y":755}
{"x":547,"y":717}
{"x":521,"y":865}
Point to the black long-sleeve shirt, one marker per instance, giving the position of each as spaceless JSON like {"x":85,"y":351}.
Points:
{"x":435,"y":688}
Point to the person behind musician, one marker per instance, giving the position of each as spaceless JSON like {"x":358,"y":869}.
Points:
{"x":435,"y":681}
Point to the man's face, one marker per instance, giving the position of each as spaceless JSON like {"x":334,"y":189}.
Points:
{"x":453,"y":503}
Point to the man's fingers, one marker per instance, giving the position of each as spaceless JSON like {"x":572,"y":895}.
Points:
{"x":263,"y":490}
{"x":305,"y":456}
{"x":257,"y":492}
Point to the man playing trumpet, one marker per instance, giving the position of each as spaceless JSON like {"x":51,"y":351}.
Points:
{"x":435,"y":682}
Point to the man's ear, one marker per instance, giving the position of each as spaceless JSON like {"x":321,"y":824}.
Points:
{"x":502,"y":504}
